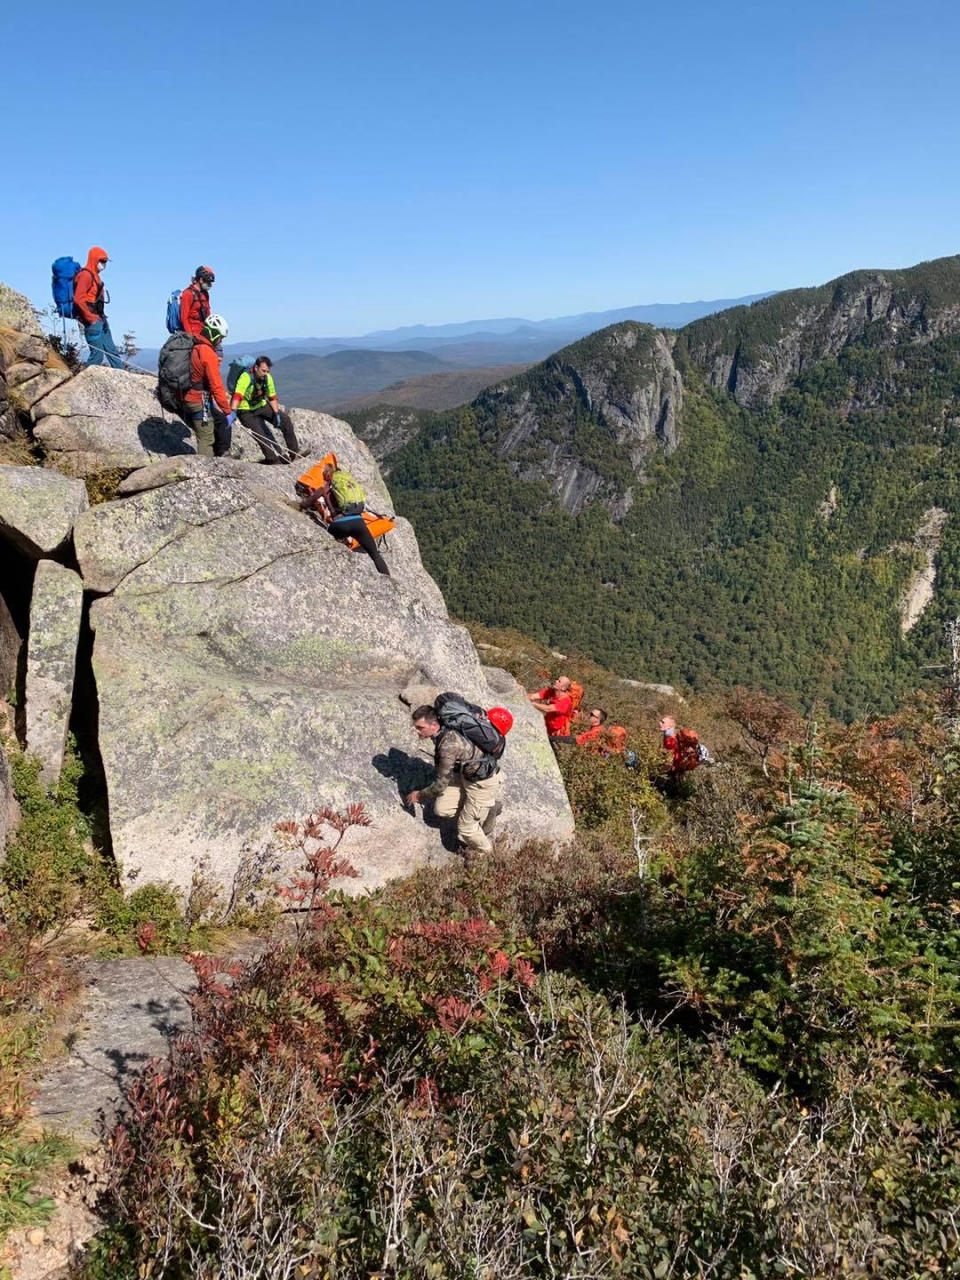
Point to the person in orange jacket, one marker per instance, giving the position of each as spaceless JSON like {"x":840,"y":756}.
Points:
{"x":195,"y":301}
{"x":89,"y":307}
{"x":194,"y":313}
{"x":595,"y":734}
{"x":207,"y":391}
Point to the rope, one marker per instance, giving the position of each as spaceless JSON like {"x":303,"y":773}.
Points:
{"x":129,"y":364}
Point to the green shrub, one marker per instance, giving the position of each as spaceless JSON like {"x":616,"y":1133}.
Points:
{"x":50,"y":870}
{"x":728,"y":1049}
{"x":603,"y":792}
{"x":396,"y":1098}
{"x":152,"y":916}
{"x":102,"y":486}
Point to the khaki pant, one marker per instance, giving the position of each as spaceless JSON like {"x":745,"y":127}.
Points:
{"x":473,"y":804}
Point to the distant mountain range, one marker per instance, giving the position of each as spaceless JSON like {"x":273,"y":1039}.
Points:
{"x":432,"y":390}
{"x":314,"y":381}
{"x":473,"y":344}
{"x":768,"y":497}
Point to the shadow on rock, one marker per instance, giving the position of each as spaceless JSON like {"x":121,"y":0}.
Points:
{"x":168,"y":436}
{"x":410,"y":774}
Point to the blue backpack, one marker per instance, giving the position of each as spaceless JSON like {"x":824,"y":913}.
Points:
{"x":173,"y":312}
{"x":64,"y":276}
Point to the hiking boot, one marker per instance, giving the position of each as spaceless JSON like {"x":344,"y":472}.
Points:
{"x":490,"y":821}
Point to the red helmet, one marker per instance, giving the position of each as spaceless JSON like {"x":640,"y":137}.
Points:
{"x":501,"y":719}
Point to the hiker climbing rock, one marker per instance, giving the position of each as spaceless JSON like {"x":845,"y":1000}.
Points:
{"x":555,"y":701}
{"x":89,"y":307}
{"x":254,"y":400}
{"x":339,"y":500}
{"x":467,"y":747}
{"x":190,"y":383}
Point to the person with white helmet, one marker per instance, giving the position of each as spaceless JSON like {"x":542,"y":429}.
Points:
{"x":207,"y":394}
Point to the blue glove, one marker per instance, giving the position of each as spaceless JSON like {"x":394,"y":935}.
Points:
{"x":231,"y":419}
{"x":277,"y":418}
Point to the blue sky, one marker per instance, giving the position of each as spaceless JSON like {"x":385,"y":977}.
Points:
{"x":352,"y":166}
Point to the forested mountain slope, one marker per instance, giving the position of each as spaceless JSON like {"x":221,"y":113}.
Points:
{"x":748,"y":500}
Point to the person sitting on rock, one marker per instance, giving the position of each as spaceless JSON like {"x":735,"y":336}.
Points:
{"x":89,"y":306}
{"x":556,"y":704}
{"x":207,"y":390}
{"x":340,"y":502}
{"x":255,"y":403}
{"x":453,"y":793}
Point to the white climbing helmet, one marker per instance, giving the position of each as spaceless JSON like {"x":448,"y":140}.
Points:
{"x":216,"y":328}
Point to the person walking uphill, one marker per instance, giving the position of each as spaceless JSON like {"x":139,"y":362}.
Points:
{"x":688,"y":753}
{"x":340,"y":502}
{"x":255,"y":403}
{"x":466,"y":785}
{"x":89,"y":307}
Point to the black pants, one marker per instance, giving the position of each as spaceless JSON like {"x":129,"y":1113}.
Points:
{"x":221,"y":432}
{"x":356,"y":527}
{"x":256,"y":420}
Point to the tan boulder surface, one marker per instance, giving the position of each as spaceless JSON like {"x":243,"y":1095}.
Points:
{"x":249,"y":668}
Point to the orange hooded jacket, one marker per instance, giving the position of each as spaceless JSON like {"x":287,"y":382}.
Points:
{"x":88,"y":296}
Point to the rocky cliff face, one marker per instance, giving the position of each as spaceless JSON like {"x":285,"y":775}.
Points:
{"x":755,"y":352}
{"x":586,"y":420}
{"x":247,"y":668}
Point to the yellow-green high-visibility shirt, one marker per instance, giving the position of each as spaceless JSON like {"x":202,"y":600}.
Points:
{"x":246,"y":388}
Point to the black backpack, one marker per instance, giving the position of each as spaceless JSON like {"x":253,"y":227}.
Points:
{"x":173,"y":370}
{"x":470,"y":721}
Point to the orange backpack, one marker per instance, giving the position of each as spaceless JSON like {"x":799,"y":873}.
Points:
{"x":616,"y":739}
{"x":313,"y":479}
{"x":576,"y":694}
{"x":688,"y":754}
{"x":378,"y":525}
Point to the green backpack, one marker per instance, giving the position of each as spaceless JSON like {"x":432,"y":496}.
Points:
{"x":347,"y":494}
